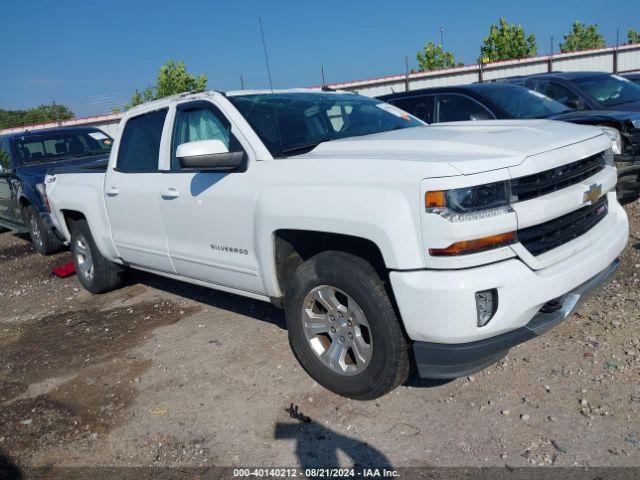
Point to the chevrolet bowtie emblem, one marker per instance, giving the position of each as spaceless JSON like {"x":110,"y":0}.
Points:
{"x":593,"y":194}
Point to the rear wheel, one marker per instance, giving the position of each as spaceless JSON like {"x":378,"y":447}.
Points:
{"x":96,"y":273}
{"x":343,"y":328}
{"x":42,"y":237}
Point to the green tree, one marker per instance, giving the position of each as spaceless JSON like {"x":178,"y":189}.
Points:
{"x":137,"y":98}
{"x":173,"y":78}
{"x":507,"y":41}
{"x":633,"y":36}
{"x":41,"y":114}
{"x":582,"y":37}
{"x":435,"y":58}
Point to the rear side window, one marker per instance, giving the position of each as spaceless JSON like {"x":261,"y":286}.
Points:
{"x":457,"y":108}
{"x":421,"y":107}
{"x":140,"y":143}
{"x":559,"y":93}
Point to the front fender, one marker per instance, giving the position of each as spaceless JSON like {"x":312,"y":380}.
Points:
{"x":385,"y":217}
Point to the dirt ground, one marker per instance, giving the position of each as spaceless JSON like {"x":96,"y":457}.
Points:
{"x":162,"y":373}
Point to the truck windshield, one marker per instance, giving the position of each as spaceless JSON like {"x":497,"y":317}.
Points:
{"x":294,"y":123}
{"x":520,"y":102}
{"x":61,"y":145}
{"x":610,"y":89}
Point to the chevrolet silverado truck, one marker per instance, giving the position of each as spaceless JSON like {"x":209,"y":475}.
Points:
{"x":388,"y":242}
{"x":25,"y":158}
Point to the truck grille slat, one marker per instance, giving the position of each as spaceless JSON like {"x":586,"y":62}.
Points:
{"x":541,"y":238}
{"x":542,"y":183}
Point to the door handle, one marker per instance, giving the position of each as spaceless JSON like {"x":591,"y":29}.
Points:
{"x":170,"y":193}
{"x":112,"y":191}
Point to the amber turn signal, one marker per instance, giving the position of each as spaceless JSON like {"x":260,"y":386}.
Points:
{"x":474,"y":246}
{"x":435,"y":199}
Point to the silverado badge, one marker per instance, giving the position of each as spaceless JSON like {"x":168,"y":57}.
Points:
{"x":593,"y":194}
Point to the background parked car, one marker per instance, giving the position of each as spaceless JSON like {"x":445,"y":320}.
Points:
{"x":25,"y":158}
{"x":634,"y":77}
{"x":489,"y":101}
{"x":585,"y":90}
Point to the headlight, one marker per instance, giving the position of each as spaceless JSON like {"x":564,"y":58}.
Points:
{"x":470,"y":203}
{"x":608,"y":157}
{"x":40,"y":187}
{"x":616,"y":139}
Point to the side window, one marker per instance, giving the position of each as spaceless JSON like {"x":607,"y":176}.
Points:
{"x":455,"y":108}
{"x":337,"y":115}
{"x":5,"y":158}
{"x":201,"y":123}
{"x":559,"y":93}
{"x":140,"y":143}
{"x":421,"y":107}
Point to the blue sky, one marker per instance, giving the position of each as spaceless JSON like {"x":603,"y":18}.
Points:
{"x":92,"y":55}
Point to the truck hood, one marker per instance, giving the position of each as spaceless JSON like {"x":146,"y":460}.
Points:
{"x":596,"y":116}
{"x":469,"y":147}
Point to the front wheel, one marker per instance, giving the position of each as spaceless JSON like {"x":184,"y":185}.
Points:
{"x":628,"y":187}
{"x":42,"y":237}
{"x":96,"y":273}
{"x":343,"y":328}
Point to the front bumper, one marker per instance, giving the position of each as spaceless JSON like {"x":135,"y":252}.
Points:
{"x":440,"y":360}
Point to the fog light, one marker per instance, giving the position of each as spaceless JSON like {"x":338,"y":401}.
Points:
{"x":486,"y":305}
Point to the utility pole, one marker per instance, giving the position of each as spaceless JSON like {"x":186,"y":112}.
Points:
{"x":406,"y":73}
{"x":550,"y":66}
{"x":322,"y":74}
{"x":615,"y":51}
{"x":442,"y":36}
{"x":241,"y":82}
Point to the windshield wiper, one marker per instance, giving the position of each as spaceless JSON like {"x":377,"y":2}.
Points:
{"x":306,"y":147}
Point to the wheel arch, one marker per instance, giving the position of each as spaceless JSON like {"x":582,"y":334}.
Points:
{"x":291,"y":247}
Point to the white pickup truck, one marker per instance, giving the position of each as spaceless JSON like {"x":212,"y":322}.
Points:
{"x":387,"y":241}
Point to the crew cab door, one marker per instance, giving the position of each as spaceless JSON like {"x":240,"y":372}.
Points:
{"x":209,"y":215}
{"x":132,"y":194}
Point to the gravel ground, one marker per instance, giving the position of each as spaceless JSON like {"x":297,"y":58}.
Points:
{"x":162,"y":373}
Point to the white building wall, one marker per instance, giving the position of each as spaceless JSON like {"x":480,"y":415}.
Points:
{"x":595,"y":60}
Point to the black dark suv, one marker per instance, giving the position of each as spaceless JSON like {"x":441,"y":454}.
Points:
{"x":489,"y":101}
{"x":25,"y":158}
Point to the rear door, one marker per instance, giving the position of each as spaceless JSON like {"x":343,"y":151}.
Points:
{"x":132,"y":194}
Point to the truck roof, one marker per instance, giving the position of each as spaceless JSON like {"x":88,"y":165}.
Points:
{"x":231,"y":93}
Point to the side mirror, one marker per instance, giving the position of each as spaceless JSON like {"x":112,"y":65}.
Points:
{"x":576,"y":104}
{"x":210,"y":155}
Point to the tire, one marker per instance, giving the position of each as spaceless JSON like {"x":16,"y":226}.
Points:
{"x":628,"y":188}
{"x":43,"y":239}
{"x":376,"y":358}
{"x":96,"y":273}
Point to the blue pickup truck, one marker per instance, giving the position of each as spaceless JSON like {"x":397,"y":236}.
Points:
{"x":25,"y":158}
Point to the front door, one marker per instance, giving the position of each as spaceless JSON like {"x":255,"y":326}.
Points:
{"x":209,"y":215}
{"x":7,"y":184}
{"x":132,"y":194}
